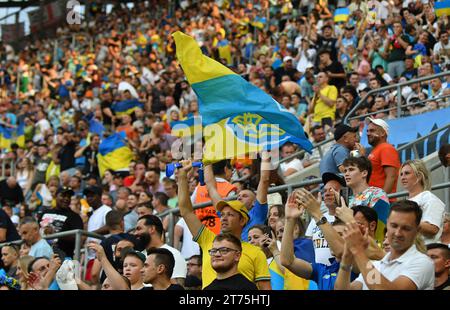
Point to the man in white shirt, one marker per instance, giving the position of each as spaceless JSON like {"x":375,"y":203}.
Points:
{"x":97,"y":221}
{"x":41,"y":127}
{"x":149,"y":231}
{"x":321,"y":248}
{"x":292,"y":165}
{"x":442,"y":48}
{"x":403,"y":268}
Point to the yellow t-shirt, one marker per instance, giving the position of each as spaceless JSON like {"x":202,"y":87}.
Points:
{"x":253,"y":263}
{"x":321,"y":109}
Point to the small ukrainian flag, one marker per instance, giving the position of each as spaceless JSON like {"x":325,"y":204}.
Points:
{"x":114,"y":153}
{"x":341,"y":15}
{"x":126,"y":106}
{"x":442,"y":8}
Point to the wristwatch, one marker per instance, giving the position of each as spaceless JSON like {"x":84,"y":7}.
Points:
{"x":322,"y":221}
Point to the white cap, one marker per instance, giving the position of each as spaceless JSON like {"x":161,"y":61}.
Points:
{"x":287,"y":58}
{"x":378,"y":122}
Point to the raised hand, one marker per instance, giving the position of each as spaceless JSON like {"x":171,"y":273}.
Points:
{"x":99,"y":251}
{"x":356,"y":241}
{"x":310,"y":203}
{"x":293,"y":209}
{"x":186,"y":168}
{"x":344,"y":213}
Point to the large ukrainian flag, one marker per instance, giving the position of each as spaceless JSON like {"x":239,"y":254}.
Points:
{"x":237,"y":117}
{"x":114,"y":154}
{"x":188,"y":128}
{"x":382,"y":208}
{"x":126,"y":106}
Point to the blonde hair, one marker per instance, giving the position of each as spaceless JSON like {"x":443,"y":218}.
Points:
{"x":420,"y":171}
{"x":23,"y":263}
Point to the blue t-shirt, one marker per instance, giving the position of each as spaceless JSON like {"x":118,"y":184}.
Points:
{"x":333,"y":159}
{"x":258,"y":215}
{"x":304,"y":249}
{"x":325,"y":276}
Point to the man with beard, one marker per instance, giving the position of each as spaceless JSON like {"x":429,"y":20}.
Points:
{"x":384,"y":157}
{"x":62,"y":218}
{"x":225,"y":255}
{"x":150,"y":233}
{"x":233,"y":218}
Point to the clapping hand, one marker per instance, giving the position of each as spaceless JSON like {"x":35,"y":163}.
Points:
{"x":310,"y":203}
{"x":293,"y":209}
{"x":356,"y":237}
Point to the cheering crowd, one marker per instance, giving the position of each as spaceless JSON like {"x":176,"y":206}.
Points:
{"x":345,"y":233}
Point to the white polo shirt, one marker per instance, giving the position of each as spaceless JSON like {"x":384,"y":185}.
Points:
{"x":414,"y":265}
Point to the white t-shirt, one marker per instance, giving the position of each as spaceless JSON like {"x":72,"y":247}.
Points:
{"x":433,"y":210}
{"x":96,"y":221}
{"x":42,"y":126}
{"x":180,"y":269}
{"x":321,"y":248}
{"x":412,"y":264}
{"x":189,"y":247}
{"x":294,"y":164}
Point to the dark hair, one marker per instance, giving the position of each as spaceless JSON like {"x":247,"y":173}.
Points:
{"x":407,"y":206}
{"x":280,"y":209}
{"x":263,"y":228}
{"x":162,"y":197}
{"x":113,"y":218}
{"x":230,"y":238}
{"x":338,"y":222}
{"x":30,"y":266}
{"x":219,"y":167}
{"x":443,"y":151}
{"x":198,"y":258}
{"x":155,"y":170}
{"x":362,"y":163}
{"x":445,"y":249}
{"x":369,"y":214}
{"x":153,"y":220}
{"x":163,"y":257}
{"x":316,"y":127}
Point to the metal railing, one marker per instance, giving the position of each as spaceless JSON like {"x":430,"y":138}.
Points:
{"x":402,"y":106}
{"x":301,"y":152}
{"x":434,"y":187}
{"x":78,"y":234}
{"x":399,"y":94}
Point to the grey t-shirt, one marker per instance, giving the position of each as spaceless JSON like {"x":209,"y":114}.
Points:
{"x":333,"y":159}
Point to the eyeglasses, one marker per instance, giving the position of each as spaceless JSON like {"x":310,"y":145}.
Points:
{"x":192,"y":264}
{"x":222,"y":251}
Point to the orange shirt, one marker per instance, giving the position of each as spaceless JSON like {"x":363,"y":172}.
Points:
{"x":382,"y":155}
{"x":129,"y":131}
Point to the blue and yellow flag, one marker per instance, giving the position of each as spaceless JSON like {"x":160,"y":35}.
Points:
{"x":6,"y":137}
{"x":382,"y":208}
{"x":442,"y":8}
{"x":341,"y":15}
{"x":190,"y":127}
{"x":20,"y":135}
{"x":96,"y":126}
{"x":225,"y":50}
{"x":237,"y":117}
{"x":126,"y":106}
{"x":114,"y":153}
{"x":259,"y":22}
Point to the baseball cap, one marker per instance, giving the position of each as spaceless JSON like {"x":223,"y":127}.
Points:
{"x":134,"y":253}
{"x":342,"y":129}
{"x":287,"y":58}
{"x":236,"y":205}
{"x":328,"y":176}
{"x":93,"y":189}
{"x":378,"y":122}
{"x":64,"y":190}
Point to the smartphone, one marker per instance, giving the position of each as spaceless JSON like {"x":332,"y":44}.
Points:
{"x":345,"y":194}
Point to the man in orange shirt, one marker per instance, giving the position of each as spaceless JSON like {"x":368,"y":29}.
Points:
{"x":384,"y":157}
